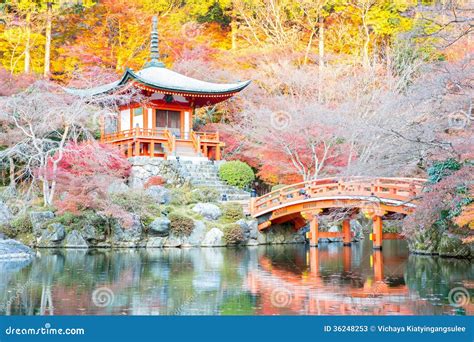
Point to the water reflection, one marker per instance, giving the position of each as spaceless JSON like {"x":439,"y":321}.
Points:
{"x":265,"y":280}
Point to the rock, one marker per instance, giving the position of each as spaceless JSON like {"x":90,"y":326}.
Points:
{"x":118,"y":188}
{"x":91,"y":233}
{"x":156,"y":242}
{"x":175,"y":241}
{"x":358,"y":230}
{"x":5,"y":213}
{"x":159,"y":193}
{"x":39,"y":218}
{"x":52,"y":235}
{"x":75,"y":240}
{"x":245,"y":228}
{"x":198,"y":234}
{"x":208,"y":210}
{"x":281,"y":234}
{"x":127,"y":236}
{"x":160,"y":226}
{"x":12,"y":249}
{"x":252,"y":242}
{"x":213,"y":238}
{"x":2,"y":236}
{"x":253,"y":229}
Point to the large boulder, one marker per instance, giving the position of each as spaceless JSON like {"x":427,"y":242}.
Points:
{"x":12,"y":249}
{"x":281,"y":234}
{"x":175,"y":241}
{"x":5,"y":213}
{"x":160,"y":226}
{"x":198,"y":234}
{"x":75,"y":240}
{"x":92,"y":234}
{"x":208,"y":210}
{"x":213,"y":238}
{"x":159,"y":193}
{"x":156,"y":242}
{"x":52,"y":235}
{"x":39,"y":220}
{"x":127,"y":235}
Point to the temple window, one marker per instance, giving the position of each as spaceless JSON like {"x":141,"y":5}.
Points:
{"x":170,"y":119}
{"x":138,"y":117}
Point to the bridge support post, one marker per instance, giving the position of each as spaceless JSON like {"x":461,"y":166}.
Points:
{"x":377,"y":232}
{"x":314,"y":230}
{"x":378,"y":265}
{"x":346,"y":232}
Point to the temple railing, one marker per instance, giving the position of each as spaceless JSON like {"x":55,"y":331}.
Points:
{"x":196,"y":140}
{"x":170,"y":141}
{"x":141,"y":141}
{"x":133,"y":133}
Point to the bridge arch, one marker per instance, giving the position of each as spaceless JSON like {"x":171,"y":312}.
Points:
{"x":305,"y":201}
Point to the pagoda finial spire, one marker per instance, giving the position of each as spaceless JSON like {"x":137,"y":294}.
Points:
{"x":155,"y":50}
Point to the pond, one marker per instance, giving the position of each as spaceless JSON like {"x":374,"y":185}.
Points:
{"x":263,"y":280}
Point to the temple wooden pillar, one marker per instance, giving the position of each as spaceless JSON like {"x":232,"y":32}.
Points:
{"x":152,"y":149}
{"x":346,"y":232}
{"x":129,"y":150}
{"x":137,"y":148}
{"x":377,"y":232}
{"x":218,"y":152}
{"x":314,"y":230}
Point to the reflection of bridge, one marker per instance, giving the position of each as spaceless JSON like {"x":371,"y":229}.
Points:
{"x":286,"y":292}
{"x":378,"y":197}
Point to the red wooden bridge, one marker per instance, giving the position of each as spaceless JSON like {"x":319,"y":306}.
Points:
{"x":377,"y":197}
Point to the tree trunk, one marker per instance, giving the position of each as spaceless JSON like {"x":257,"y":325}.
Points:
{"x":321,"y":59}
{"x":12,"y":172}
{"x":321,"y":43}
{"x":233,"y":27}
{"x":47,"y":47}
{"x":27,"y":44}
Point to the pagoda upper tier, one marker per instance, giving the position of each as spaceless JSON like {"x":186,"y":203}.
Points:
{"x":156,"y":78}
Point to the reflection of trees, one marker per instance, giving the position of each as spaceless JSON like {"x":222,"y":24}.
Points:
{"x":433,"y":277}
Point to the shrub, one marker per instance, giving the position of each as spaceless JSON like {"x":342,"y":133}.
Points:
{"x":8,"y":231}
{"x":233,"y":234}
{"x":154,"y":180}
{"x":204,"y":194}
{"x":236,"y":173}
{"x":232,"y":212}
{"x":22,"y":224}
{"x":137,"y":202}
{"x":181,"y":225}
{"x":74,"y":221}
{"x":181,"y":195}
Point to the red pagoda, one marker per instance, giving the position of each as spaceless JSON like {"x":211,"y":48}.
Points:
{"x":161,"y":125}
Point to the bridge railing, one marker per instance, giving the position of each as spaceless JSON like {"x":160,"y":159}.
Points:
{"x":399,"y":189}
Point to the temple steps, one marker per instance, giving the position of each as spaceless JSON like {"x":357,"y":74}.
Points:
{"x":206,"y":174}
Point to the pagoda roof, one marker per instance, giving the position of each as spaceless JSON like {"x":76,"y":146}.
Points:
{"x":164,"y":80}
